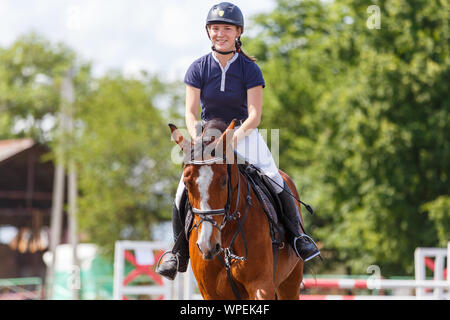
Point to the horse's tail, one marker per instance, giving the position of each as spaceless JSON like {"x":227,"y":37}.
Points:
{"x":293,"y":189}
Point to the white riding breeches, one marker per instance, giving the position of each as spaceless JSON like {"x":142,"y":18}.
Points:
{"x":254,"y":150}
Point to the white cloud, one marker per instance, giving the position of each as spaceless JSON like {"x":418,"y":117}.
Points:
{"x":178,"y":25}
{"x":132,"y":67}
{"x":159,"y":36}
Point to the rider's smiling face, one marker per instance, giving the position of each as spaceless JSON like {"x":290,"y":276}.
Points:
{"x":223,"y":36}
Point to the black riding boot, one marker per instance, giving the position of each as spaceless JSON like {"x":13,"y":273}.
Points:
{"x":178,"y":258}
{"x":303,"y":245}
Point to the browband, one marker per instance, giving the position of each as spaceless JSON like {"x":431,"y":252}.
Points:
{"x":209,"y":161}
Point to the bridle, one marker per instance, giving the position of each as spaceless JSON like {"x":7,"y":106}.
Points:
{"x":206,"y":215}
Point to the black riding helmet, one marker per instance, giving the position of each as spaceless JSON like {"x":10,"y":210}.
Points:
{"x":226,"y":13}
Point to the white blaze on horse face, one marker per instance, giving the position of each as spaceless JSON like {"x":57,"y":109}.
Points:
{"x":203,"y":182}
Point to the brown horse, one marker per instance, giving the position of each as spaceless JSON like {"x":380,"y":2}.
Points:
{"x":218,"y":194}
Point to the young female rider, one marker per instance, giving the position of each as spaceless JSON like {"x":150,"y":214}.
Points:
{"x":229,"y":85}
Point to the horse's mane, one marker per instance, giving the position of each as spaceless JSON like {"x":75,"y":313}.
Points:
{"x":215,"y":123}
{"x":212,"y":125}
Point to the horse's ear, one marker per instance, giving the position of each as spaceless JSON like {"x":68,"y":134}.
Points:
{"x":226,"y":138}
{"x":228,"y":134}
{"x":232,"y":124}
{"x":178,"y":137}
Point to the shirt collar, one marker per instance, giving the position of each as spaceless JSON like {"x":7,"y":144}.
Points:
{"x":229,"y":62}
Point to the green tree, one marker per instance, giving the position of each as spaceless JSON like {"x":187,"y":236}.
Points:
{"x":365,"y":122}
{"x":439,"y":212}
{"x":124,"y":154}
{"x":31,"y":71}
{"x":121,"y":142}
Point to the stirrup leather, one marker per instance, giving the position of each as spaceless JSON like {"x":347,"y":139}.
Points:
{"x":311,"y":241}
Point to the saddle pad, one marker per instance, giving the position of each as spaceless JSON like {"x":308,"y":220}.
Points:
{"x":266,"y":196}
{"x":268,"y":199}
{"x":266,"y":203}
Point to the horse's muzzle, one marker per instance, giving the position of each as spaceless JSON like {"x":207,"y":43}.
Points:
{"x":210,"y":254}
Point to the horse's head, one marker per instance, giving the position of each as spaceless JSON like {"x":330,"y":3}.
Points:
{"x":206,"y":180}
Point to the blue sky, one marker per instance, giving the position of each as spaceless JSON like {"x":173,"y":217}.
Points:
{"x":158,"y":36}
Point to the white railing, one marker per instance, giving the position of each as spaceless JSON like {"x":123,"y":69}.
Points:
{"x":440,"y":284}
{"x":185,"y":287}
{"x":144,"y":256}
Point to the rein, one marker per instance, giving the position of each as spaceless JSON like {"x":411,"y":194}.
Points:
{"x":205,"y":215}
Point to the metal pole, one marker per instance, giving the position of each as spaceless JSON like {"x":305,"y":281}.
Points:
{"x":56,"y":221}
{"x":73,"y":238}
{"x":66,"y":125}
{"x":69,"y":97}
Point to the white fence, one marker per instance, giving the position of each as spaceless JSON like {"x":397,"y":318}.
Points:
{"x":185,"y":288}
{"x":440,"y":286}
{"x":144,"y":255}
{"x":142,"y":260}
{"x":420,"y":288}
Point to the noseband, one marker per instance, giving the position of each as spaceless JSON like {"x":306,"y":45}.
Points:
{"x":205,"y":215}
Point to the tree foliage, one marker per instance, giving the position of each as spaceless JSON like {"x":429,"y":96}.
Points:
{"x":31,"y":71}
{"x":124,"y":154}
{"x":364,"y":123}
{"x":121,"y":143}
{"x":363,"y":117}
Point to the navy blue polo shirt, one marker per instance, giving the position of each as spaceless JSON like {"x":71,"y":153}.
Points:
{"x":224,"y":90}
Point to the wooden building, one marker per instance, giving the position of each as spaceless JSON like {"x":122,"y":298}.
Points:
{"x":26,"y":186}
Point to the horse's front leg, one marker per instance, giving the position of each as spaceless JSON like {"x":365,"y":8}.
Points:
{"x":261,"y":290}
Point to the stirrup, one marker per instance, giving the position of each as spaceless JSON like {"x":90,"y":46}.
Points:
{"x":160,"y":258}
{"x":311,"y":241}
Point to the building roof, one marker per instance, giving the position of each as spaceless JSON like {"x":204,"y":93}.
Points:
{"x":9,"y":148}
